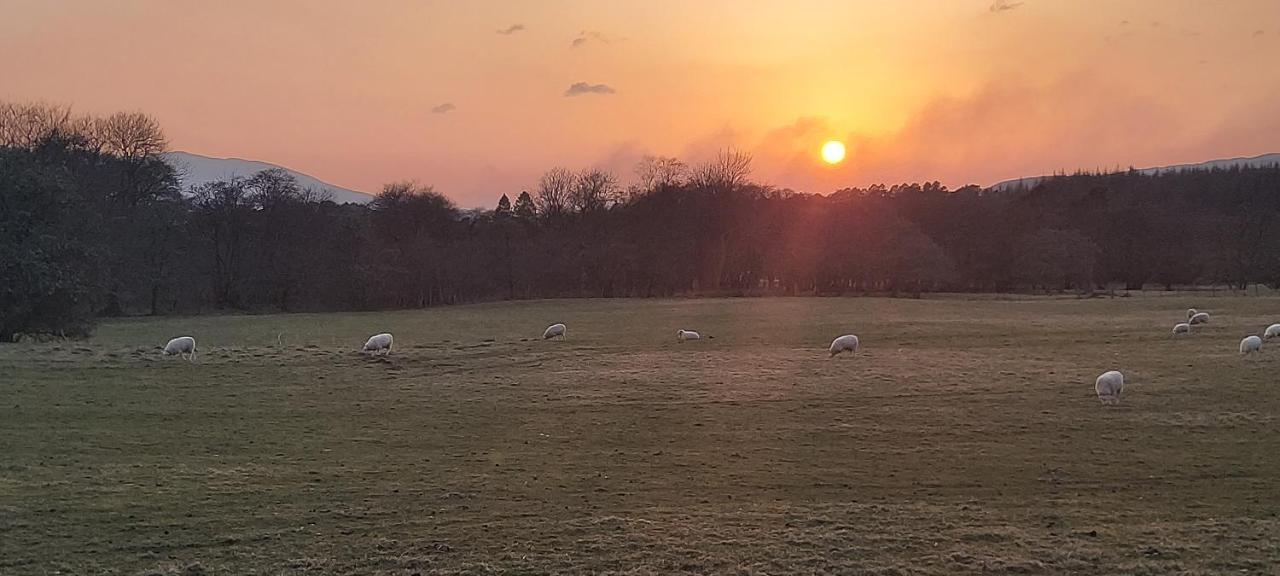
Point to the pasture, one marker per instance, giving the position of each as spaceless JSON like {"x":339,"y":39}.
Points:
{"x":964,"y":438}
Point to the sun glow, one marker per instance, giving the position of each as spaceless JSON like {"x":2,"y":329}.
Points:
{"x":833,"y":152}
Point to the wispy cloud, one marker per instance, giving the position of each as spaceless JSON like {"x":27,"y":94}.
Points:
{"x":1003,"y":5}
{"x":445,"y":108}
{"x":586,"y":36}
{"x":580,"y":88}
{"x":512,"y":29}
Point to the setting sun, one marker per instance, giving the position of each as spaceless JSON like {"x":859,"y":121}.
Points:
{"x":833,"y":152}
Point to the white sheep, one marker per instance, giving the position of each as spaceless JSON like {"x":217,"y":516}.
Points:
{"x":1190,"y":312}
{"x":554,"y":330}
{"x":1181,"y":328}
{"x":683,"y":335}
{"x":1109,"y":386}
{"x":1200,"y":318}
{"x":379,"y":342}
{"x":1250,"y":345}
{"x":1273,"y":331}
{"x":181,"y":345}
{"x":848,"y":342}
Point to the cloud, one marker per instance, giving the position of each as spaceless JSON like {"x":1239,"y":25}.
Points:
{"x":1003,"y":130}
{"x":586,"y":36}
{"x":445,"y":108}
{"x":580,"y":88}
{"x":1257,"y":33}
{"x":512,"y":29}
{"x":1013,"y":128}
{"x":1003,"y":5}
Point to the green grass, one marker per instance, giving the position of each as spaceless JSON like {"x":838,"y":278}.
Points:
{"x":965,"y":438}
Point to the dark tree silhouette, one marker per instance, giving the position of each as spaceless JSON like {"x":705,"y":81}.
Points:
{"x":92,"y":223}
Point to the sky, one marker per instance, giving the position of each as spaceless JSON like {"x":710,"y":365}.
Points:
{"x":479,"y":98}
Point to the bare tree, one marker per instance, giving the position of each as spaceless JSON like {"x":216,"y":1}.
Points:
{"x":27,"y":125}
{"x":133,"y":136}
{"x":658,"y":172}
{"x":594,"y":189}
{"x":555,"y":189}
{"x":729,"y":171}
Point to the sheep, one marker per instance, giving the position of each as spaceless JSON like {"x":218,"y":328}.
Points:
{"x":1191,"y":312}
{"x":847,"y":342}
{"x":1200,"y":318}
{"x":683,"y":335}
{"x":1109,"y":386}
{"x":182,"y":345}
{"x":379,"y":342}
{"x":1181,"y":328}
{"x":554,"y":330}
{"x":1250,"y":345}
{"x":1273,"y":331}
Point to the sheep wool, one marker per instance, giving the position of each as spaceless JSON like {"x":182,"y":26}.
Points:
{"x":182,"y":345}
{"x":554,"y":330}
{"x":1109,"y":386}
{"x":1273,"y":331}
{"x":1250,"y":345}
{"x":379,"y":342}
{"x":846,"y":343}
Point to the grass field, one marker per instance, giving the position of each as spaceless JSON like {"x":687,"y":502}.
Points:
{"x":964,"y":438}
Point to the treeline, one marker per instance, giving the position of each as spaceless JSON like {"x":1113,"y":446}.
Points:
{"x":93,"y":223}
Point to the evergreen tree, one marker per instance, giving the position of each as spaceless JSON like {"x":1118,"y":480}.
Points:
{"x":524,"y":209}
{"x":503,"y":211}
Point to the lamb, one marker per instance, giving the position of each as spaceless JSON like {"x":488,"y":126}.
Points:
{"x":182,"y":345}
{"x":1200,"y":318}
{"x":1181,"y":328}
{"x":1273,"y":331}
{"x":1109,"y":386}
{"x":1250,"y":345}
{"x":848,"y":342}
{"x":554,"y":330}
{"x":379,"y":342}
{"x":683,"y":335}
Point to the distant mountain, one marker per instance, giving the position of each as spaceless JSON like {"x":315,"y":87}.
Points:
{"x":195,"y":170}
{"x":1263,"y":160}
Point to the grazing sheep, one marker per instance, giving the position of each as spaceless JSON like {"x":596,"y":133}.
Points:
{"x":554,"y":330}
{"x":847,"y":342}
{"x":683,"y":335}
{"x":379,"y":342}
{"x":1250,"y":345}
{"x":1109,"y":386}
{"x":1181,"y":328}
{"x":1273,"y":331}
{"x":1190,"y":312}
{"x":1200,"y":318}
{"x":181,"y":345}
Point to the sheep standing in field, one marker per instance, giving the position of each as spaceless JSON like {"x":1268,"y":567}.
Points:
{"x":554,"y":330}
{"x":683,"y":335}
{"x":1109,"y":386}
{"x":1200,"y":318}
{"x":379,"y":342}
{"x":1250,"y":345}
{"x":1181,"y":328}
{"x":182,"y":345}
{"x":848,"y":343}
{"x":1273,"y":331}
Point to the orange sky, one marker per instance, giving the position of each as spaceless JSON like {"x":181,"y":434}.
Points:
{"x":952,"y":90}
